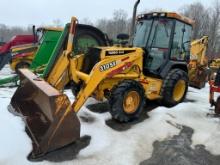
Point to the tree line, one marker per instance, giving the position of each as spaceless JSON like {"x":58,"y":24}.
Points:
{"x":207,"y":22}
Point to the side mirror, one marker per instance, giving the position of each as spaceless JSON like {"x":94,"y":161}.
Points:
{"x":122,"y":36}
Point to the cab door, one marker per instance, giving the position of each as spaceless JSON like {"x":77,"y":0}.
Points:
{"x":158,"y":45}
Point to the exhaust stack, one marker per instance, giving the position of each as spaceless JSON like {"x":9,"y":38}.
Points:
{"x":134,"y":20}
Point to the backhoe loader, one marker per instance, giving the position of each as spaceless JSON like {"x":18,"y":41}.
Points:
{"x":214,"y":66}
{"x":154,"y":67}
{"x":198,"y":66}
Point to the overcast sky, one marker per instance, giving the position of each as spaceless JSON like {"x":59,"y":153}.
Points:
{"x":40,"y":12}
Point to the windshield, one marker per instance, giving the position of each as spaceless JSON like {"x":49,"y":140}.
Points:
{"x":142,"y":33}
{"x":161,"y":32}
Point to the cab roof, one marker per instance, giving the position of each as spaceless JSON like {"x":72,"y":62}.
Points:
{"x":166,"y":15}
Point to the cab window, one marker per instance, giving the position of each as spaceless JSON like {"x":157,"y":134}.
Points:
{"x":181,"y":41}
{"x":142,"y":33}
{"x":160,"y":35}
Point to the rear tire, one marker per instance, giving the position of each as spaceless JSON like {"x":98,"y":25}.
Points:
{"x":174,"y":88}
{"x":127,"y":101}
{"x":86,"y":34}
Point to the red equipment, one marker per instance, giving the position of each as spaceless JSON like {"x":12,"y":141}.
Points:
{"x":215,"y":87}
{"x":5,"y":54}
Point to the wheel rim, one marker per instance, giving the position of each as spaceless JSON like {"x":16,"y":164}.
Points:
{"x":179,"y":90}
{"x":131,"y":102}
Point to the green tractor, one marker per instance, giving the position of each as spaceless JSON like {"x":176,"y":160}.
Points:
{"x":50,"y":38}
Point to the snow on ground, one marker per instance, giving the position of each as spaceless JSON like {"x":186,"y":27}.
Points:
{"x":109,"y":146}
{"x":6,"y":72}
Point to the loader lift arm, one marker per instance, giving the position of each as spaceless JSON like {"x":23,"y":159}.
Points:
{"x":66,"y":65}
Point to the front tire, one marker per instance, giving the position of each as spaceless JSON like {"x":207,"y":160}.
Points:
{"x":127,"y":101}
{"x":174,"y":88}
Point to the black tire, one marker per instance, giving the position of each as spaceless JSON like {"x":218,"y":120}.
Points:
{"x":92,"y":56}
{"x":84,"y":31}
{"x":21,"y":65}
{"x":169,"y":84}
{"x":117,"y":97}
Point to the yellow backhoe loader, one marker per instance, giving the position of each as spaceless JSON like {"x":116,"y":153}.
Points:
{"x":198,"y":66}
{"x":154,"y":67}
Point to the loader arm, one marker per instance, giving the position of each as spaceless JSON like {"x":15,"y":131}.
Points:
{"x":92,"y":80}
{"x":66,"y":65}
{"x":58,"y":77}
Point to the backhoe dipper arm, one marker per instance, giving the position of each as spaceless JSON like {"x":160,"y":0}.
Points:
{"x":198,"y":48}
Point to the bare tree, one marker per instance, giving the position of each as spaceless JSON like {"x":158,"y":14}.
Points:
{"x":57,"y":23}
{"x":118,"y":24}
{"x":207,"y":22}
{"x":6,"y":33}
{"x":86,"y":21}
{"x":214,"y":35}
{"x":200,"y":14}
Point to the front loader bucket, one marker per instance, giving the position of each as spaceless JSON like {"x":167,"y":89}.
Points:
{"x":50,"y":121}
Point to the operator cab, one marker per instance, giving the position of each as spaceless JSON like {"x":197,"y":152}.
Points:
{"x":165,"y":37}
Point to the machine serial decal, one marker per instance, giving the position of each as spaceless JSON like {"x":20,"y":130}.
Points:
{"x":116,"y":52}
{"x":107,"y":66}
